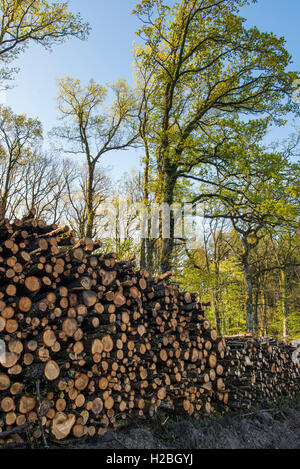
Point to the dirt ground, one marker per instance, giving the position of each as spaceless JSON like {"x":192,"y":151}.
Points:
{"x":264,"y":429}
{"x":261,"y":429}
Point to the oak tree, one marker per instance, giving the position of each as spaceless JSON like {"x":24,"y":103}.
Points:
{"x":92,"y":130}
{"x":201,"y":65}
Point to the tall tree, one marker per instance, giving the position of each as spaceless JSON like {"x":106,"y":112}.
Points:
{"x":208,"y":261}
{"x":92,"y":130}
{"x":35,"y":21}
{"x":42,"y":184}
{"x":18,"y":136}
{"x":75,"y":204}
{"x":285,"y":246}
{"x":260,"y":193}
{"x":205,"y":66}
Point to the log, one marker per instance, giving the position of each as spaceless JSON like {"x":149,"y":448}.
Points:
{"x":51,"y":370}
{"x":62,"y":425}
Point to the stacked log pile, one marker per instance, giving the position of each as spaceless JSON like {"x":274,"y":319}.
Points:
{"x":260,"y":370}
{"x":91,"y":341}
{"x":103,"y":340}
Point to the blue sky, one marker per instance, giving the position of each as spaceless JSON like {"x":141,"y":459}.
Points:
{"x":107,"y":55}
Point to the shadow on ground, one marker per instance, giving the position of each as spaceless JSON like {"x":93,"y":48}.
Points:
{"x":262,"y":429}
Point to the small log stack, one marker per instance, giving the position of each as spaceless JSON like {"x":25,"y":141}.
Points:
{"x":259,"y":370}
{"x":107,"y":342}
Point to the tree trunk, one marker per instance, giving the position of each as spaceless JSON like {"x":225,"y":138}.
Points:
{"x":150,"y":255}
{"x":167,"y":245}
{"x":147,"y":250}
{"x":263,"y":314}
{"x":285,"y":303}
{"x":143,"y":254}
{"x":249,"y":295}
{"x":215,"y":304}
{"x":169,"y":179}
{"x":256,"y":309}
{"x":145,"y":242}
{"x":2,"y":210}
{"x":216,"y":300}
{"x":90,"y":212}
{"x":4,"y":196}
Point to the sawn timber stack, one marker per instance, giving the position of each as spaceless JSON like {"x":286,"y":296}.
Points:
{"x":105,"y":341}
